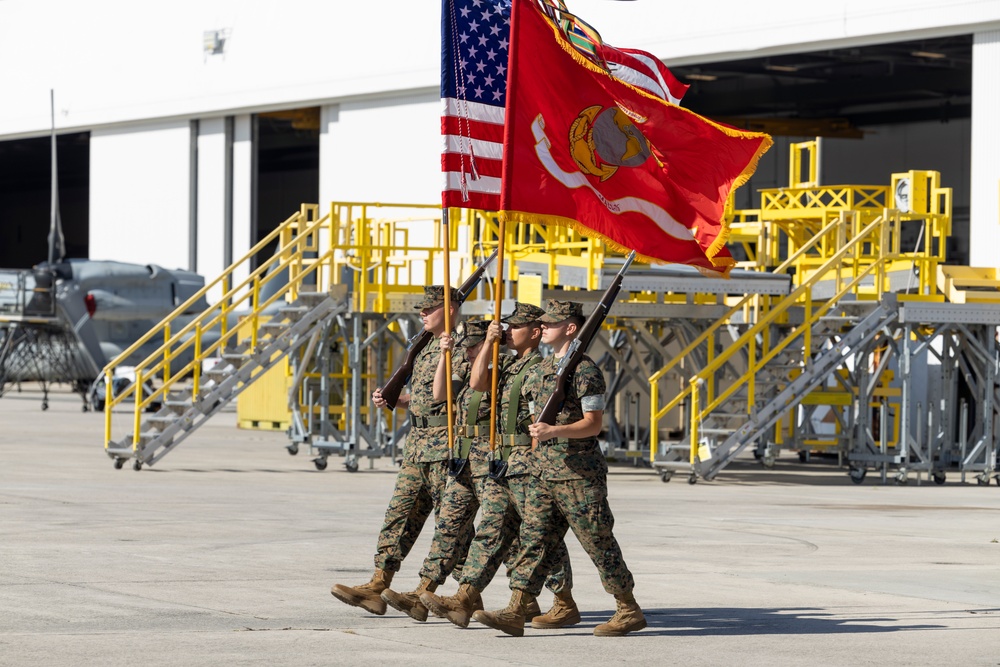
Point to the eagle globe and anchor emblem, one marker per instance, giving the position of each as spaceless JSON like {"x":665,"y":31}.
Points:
{"x":604,"y":139}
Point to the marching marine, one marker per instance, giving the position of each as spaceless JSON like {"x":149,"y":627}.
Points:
{"x":423,"y":474}
{"x":570,"y":486}
{"x":460,"y":502}
{"x":502,"y":494}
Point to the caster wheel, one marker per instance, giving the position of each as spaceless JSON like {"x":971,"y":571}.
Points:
{"x":693,"y":479}
{"x":119,"y":464}
{"x":767,"y":461}
{"x":137,"y":465}
{"x":858,"y":475}
{"x":352,"y":466}
{"x":804,"y":457}
{"x":901,"y":479}
{"x":758,"y":454}
{"x":983,"y":480}
{"x":320,"y":464}
{"x":85,"y":409}
{"x":665,"y":476}
{"x":99,"y":406}
{"x":292,"y":450}
{"x":45,"y":406}
{"x":939,"y":478}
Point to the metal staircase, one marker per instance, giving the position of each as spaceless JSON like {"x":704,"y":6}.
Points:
{"x":815,"y":371}
{"x":186,"y":408}
{"x":252,"y":325}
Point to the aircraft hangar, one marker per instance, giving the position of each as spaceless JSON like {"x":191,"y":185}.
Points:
{"x":197,"y":143}
{"x":227,"y":114}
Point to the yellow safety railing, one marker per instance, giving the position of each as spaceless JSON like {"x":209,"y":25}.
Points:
{"x":375,"y":249}
{"x":867,"y":253}
{"x":298,"y":253}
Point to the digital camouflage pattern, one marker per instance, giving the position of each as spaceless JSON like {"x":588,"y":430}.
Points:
{"x":434,"y":297}
{"x":503,"y":502}
{"x":454,"y":527}
{"x":576,"y":458}
{"x":418,"y":492}
{"x":428,"y":443}
{"x":557,"y":311}
{"x":479,"y":449}
{"x":524,"y":313}
{"x":423,"y":475}
{"x":520,"y":460}
{"x":571,"y":489}
{"x":497,"y":539}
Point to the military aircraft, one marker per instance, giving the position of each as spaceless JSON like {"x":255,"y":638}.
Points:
{"x":64,"y":319}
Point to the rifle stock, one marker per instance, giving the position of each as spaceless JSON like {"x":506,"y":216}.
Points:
{"x":579,"y":346}
{"x":394,"y":385}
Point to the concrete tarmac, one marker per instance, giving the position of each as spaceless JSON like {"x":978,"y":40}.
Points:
{"x":225,"y":551}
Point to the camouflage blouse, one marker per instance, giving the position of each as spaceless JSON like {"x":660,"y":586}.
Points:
{"x":479,"y":451}
{"x":428,"y":443}
{"x":561,"y":459}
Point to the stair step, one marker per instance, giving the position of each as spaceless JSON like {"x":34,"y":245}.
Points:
{"x":235,"y":358}
{"x":293,"y":313}
{"x":312,"y":298}
{"x":717,"y":431}
{"x":162,"y":419}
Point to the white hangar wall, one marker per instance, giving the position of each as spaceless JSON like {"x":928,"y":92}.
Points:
{"x":136,"y":75}
{"x":139,"y":193}
{"x":114,"y":61}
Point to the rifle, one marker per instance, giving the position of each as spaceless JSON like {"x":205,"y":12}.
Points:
{"x":580,"y":344}
{"x":394,"y":385}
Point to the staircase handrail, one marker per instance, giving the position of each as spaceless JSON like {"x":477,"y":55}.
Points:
{"x":792,"y":299}
{"x":749,"y":336}
{"x":201,"y":293}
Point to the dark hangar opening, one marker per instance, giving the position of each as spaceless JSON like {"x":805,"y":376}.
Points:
{"x":25,"y":196}
{"x":881,"y":109}
{"x":286,"y":166}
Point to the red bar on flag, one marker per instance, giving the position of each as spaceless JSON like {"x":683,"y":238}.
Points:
{"x":589,"y":150}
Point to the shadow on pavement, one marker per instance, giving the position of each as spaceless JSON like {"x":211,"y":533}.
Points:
{"x":694,"y":622}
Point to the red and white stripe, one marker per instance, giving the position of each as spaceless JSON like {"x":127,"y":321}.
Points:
{"x":471,"y":154}
{"x":643,"y":70}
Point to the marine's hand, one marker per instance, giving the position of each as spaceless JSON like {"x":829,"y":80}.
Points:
{"x":541,"y":431}
{"x":494,"y":333}
{"x":447,"y":343}
{"x":378,"y":400}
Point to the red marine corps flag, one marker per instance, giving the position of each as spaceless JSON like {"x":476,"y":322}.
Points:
{"x":588,"y":150}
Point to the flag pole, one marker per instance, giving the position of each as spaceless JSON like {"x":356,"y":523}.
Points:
{"x":497,"y":305}
{"x":446,"y":233}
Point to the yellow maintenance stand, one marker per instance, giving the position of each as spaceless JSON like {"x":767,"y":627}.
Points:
{"x":842,"y":294}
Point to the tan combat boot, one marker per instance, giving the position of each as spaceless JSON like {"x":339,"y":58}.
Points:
{"x":563,"y":614}
{"x":532,"y":611}
{"x":366,"y":596}
{"x":457,"y":608}
{"x":628,"y":618}
{"x":510,"y":619}
{"x":409,"y":603}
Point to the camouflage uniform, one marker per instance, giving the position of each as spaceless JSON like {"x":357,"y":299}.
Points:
{"x":460,"y":502}
{"x":571,"y":486}
{"x":505,"y":500}
{"x":423,"y":474}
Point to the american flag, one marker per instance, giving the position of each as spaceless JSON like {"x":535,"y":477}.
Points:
{"x":475,"y":43}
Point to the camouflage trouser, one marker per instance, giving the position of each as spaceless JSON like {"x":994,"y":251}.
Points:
{"x":497,"y":538}
{"x":453,"y":529}
{"x":582,"y":504}
{"x":419,"y":491}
